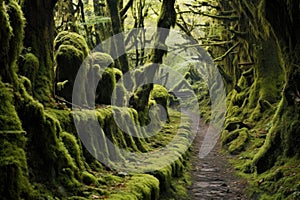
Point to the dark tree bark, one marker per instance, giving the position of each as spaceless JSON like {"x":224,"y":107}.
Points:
{"x":122,"y":61}
{"x":39,"y":35}
{"x":167,"y":19}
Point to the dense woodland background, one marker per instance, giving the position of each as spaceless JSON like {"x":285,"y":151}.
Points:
{"x":255,"y":45}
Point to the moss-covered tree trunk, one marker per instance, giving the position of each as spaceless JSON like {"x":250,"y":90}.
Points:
{"x":266,"y":78}
{"x":102,"y":30}
{"x":166,"y":21}
{"x":119,"y":46}
{"x":39,"y":35}
{"x":284,"y":136}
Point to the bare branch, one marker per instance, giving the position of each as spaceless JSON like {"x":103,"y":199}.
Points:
{"x":220,"y":17}
{"x":226,"y":53}
{"x":126,"y":8}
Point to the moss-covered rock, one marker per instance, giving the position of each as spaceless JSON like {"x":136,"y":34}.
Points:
{"x":106,"y":87}
{"x":161,"y":96}
{"x":141,"y":186}
{"x":72,"y":39}
{"x":69,"y":60}
{"x":102,"y":59}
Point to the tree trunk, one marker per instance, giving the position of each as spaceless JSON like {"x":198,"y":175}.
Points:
{"x":39,"y":35}
{"x":119,"y":45}
{"x":167,"y":19}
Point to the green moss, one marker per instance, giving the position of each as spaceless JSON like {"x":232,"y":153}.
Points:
{"x":139,"y":187}
{"x":29,"y":67}
{"x":69,"y":60}
{"x":72,"y":39}
{"x":44,"y":146}
{"x":105,"y":87}
{"x":8,"y":118}
{"x":5,"y":32}
{"x":118,"y":74}
{"x":13,"y":165}
{"x":13,"y":171}
{"x":17,"y":22}
{"x":161,"y":96}
{"x":238,"y":144}
{"x":88,"y":178}
{"x":70,"y":142}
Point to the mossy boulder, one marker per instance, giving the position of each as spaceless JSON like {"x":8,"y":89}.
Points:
{"x":161,"y":96}
{"x":106,"y":87}
{"x":69,"y":60}
{"x":73,"y":39}
{"x":70,"y":51}
{"x":102,"y":59}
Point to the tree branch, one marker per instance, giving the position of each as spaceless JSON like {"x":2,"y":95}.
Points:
{"x":220,"y":17}
{"x":126,"y":8}
{"x":202,"y":4}
{"x":226,"y":53}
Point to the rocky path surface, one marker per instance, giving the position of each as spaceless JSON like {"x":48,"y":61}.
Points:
{"x":212,"y":176}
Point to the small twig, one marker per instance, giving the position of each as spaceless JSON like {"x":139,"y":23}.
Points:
{"x":72,"y":104}
{"x":220,"y":58}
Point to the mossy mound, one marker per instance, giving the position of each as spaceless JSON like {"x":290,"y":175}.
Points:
{"x":161,"y":97}
{"x":69,"y":60}
{"x":147,"y":188}
{"x":102,"y":59}
{"x":106,"y":87}
{"x":72,"y":39}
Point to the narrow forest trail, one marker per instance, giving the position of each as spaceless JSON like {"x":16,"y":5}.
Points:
{"x":212,"y":176}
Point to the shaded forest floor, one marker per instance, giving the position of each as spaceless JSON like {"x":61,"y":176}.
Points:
{"x":213,"y":177}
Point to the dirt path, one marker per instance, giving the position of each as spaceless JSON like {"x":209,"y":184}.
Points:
{"x":212,"y":176}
